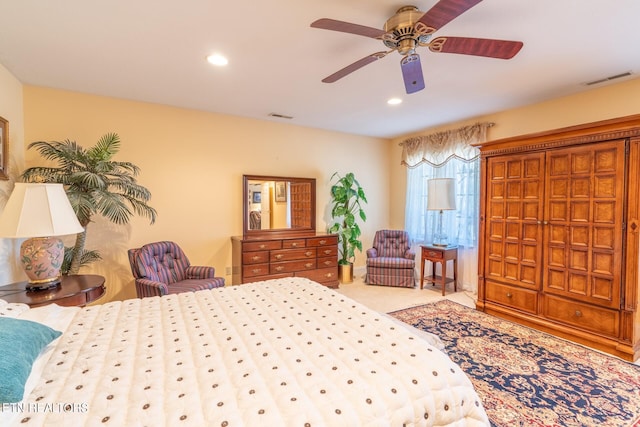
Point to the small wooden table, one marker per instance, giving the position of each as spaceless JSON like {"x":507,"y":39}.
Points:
{"x":440,"y":254}
{"x":74,"y":290}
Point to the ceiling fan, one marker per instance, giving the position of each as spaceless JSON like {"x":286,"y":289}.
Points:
{"x":410,"y":28}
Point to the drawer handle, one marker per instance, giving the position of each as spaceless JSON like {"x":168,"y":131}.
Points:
{"x":509,"y":295}
{"x":327,"y":252}
{"x":255,"y":258}
{"x":322,"y":242}
{"x":279,"y":268}
{"x":263,"y":246}
{"x":279,"y":256}
{"x":578,"y":313}
{"x":431,"y":253}
{"x":308,"y":265}
{"x":256,"y":270}
{"x":327,"y":263}
{"x":308,"y":253}
{"x":294,"y":244}
{"x":328,"y":275}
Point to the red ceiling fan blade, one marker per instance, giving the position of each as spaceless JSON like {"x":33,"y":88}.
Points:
{"x":501,"y":49}
{"x":412,"y":73}
{"x":445,"y":11}
{"x":347,"y":27}
{"x":355,"y":66}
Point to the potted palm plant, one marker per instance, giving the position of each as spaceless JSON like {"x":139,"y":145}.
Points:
{"x":346,"y":198}
{"x":95,"y":184}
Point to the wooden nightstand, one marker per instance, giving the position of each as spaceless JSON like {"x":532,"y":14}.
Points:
{"x":440,"y":254}
{"x":74,"y":290}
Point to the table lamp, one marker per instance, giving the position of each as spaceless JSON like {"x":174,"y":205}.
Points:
{"x":441,"y":196}
{"x":39,"y":212}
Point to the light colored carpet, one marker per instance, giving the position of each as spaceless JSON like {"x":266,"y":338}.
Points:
{"x":387,"y":298}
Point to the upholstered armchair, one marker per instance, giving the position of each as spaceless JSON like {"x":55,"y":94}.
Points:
{"x":162,"y":268}
{"x":391,"y":261}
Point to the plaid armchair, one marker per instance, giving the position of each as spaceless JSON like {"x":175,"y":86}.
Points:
{"x":162,"y":268}
{"x":390,"y":261}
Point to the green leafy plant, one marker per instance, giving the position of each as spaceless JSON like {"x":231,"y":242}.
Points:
{"x":346,"y":196}
{"x":95,"y":185}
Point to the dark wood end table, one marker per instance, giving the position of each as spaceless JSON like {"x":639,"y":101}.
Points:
{"x":73,"y":291}
{"x":440,"y":254}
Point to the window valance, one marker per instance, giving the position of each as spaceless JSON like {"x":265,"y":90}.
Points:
{"x":436,"y":149}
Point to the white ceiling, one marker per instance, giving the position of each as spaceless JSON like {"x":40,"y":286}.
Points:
{"x":154,"y":51}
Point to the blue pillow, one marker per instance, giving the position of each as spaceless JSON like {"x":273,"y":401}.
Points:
{"x":21,"y":341}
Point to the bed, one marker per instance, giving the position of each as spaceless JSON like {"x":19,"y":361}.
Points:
{"x":285,"y":352}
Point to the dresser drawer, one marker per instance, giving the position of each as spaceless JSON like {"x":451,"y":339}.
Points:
{"x":256,"y":257}
{"x":583,"y":316}
{"x":262,"y":245}
{"x":292,"y":254}
{"x":321,"y":275}
{"x":518,"y":298}
{"x":289,"y":266}
{"x":297,"y":243}
{"x":322,"y":241}
{"x":254,"y":270}
{"x":328,"y":251}
{"x":326,"y":262}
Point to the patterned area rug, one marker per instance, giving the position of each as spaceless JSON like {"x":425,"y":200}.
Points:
{"x":529,"y":378}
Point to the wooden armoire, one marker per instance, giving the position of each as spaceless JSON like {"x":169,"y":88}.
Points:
{"x":559,"y":233}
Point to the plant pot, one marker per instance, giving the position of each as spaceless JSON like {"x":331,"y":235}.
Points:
{"x":345,"y":273}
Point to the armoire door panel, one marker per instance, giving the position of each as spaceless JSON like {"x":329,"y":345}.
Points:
{"x":577,"y":284}
{"x":495,"y":229}
{"x":515,"y":186}
{"x":579,"y":236}
{"x":604,"y":237}
{"x":558,"y":210}
{"x":602,"y":288}
{"x":514,"y":169}
{"x":579,"y":211}
{"x":604,"y":212}
{"x":581,"y":162}
{"x":595,"y":203}
{"x":580,"y":187}
{"x":605,"y":186}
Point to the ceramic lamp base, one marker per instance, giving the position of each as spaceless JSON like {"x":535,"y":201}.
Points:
{"x":42,"y":259}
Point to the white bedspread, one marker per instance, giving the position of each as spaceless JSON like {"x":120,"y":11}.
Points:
{"x":276,"y":353}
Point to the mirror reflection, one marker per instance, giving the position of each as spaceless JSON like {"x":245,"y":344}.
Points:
{"x":279,"y":203}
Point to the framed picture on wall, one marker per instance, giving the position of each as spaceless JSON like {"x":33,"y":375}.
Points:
{"x":256,"y":197}
{"x":281,"y":191}
{"x":4,"y":149}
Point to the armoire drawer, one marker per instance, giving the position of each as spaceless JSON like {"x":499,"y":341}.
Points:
{"x":584,"y":316}
{"x":510,"y":296}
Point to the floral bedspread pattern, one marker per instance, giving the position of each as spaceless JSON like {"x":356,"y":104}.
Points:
{"x":277,"y":353}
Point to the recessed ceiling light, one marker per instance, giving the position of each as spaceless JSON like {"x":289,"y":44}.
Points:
{"x":394,"y":101}
{"x":217,"y":59}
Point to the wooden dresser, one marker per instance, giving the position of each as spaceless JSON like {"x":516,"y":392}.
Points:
{"x":314,"y":256}
{"x":559,"y":233}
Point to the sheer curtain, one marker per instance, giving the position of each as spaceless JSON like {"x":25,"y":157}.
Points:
{"x":446,"y":155}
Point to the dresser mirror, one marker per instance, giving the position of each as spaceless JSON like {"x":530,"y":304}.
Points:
{"x":278,"y":205}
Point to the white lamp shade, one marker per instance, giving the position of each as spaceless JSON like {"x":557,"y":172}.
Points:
{"x":38,"y":210}
{"x":441,"y":194}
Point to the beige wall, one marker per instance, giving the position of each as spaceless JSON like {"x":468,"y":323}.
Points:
{"x":193,"y":162}
{"x":603,"y":103}
{"x":11,"y":110}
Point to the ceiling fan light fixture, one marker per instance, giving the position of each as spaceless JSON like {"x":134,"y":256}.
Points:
{"x":394,"y":101}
